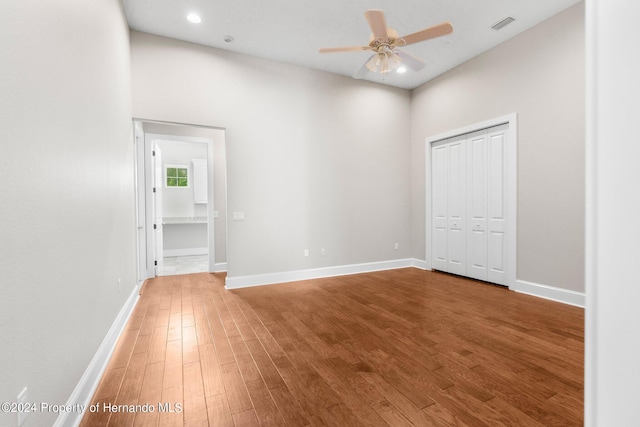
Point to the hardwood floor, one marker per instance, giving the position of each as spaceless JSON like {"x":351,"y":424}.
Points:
{"x":400,"y":347}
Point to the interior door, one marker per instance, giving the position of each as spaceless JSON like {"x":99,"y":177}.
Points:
{"x":158,"y":178}
{"x":477,"y":205}
{"x":439,"y":162}
{"x":497,"y":221}
{"x":457,"y":207}
{"x":449,"y":163}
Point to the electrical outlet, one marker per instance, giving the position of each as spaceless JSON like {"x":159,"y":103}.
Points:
{"x":21,"y":400}
{"x":306,"y":252}
{"x":323,"y":252}
{"x":397,"y":246}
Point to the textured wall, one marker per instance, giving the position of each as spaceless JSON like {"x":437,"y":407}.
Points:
{"x":67,"y":213}
{"x":540,"y":75}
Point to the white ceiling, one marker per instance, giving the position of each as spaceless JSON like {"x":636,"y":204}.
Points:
{"x":293,"y":30}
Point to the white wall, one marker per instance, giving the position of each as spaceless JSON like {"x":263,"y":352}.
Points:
{"x":67,"y":212}
{"x":612,"y":346}
{"x":539,"y":75}
{"x":314,"y":160}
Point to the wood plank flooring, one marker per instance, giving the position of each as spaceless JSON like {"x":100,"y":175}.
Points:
{"x":400,"y":348}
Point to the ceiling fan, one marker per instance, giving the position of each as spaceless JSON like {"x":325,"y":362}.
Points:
{"x":384,"y":41}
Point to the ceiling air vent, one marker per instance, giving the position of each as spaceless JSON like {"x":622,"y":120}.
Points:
{"x":501,"y":24}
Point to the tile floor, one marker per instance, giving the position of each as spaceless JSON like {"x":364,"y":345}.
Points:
{"x":184,"y":265}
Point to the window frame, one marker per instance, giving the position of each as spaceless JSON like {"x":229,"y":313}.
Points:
{"x":177,"y":177}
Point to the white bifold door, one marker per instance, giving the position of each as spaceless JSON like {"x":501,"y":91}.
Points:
{"x":468,"y":205}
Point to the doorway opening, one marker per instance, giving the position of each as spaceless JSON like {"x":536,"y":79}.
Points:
{"x":181,"y":198}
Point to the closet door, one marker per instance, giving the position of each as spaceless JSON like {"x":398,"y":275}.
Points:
{"x":449,"y":204}
{"x":457,"y":207}
{"x":439,"y":197}
{"x":477,"y":245}
{"x":496,"y":189}
{"x":469,"y":221}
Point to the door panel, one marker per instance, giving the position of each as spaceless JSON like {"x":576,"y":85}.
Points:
{"x":496,"y":211}
{"x":477,"y":203}
{"x":439,"y":160}
{"x":440,"y":248}
{"x":496,"y":176}
{"x":496,"y":258}
{"x":457,"y":207}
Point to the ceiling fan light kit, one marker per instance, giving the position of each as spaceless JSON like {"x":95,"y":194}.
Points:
{"x":384,"y":62}
{"x":384,"y":42}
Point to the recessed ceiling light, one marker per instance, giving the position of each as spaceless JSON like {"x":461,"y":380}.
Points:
{"x":194,"y":18}
{"x":401,"y":69}
{"x":227,"y":39}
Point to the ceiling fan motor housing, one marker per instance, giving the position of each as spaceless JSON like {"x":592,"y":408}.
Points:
{"x":384,"y":44}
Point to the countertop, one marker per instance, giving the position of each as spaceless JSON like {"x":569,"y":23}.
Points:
{"x":184,"y":220}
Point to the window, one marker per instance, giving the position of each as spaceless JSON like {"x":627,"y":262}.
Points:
{"x":177,"y":176}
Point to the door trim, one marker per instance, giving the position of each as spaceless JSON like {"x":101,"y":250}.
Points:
{"x":141,"y":203}
{"x":511,"y":190}
{"x":145,"y":188}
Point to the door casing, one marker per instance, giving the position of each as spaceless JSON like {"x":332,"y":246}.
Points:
{"x":144,"y":192}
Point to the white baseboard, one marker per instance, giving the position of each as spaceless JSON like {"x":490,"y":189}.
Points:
{"x":90,"y":380}
{"x":315,"y":273}
{"x":219,"y":267}
{"x":549,"y":292}
{"x":421,"y":264}
{"x":535,"y":289}
{"x":185,"y":252}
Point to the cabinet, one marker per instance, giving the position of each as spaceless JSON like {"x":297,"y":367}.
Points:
{"x":469,"y":220}
{"x":200,"y":188}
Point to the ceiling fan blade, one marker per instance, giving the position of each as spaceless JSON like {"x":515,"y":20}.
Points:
{"x":411,"y":61}
{"x":428,"y":33}
{"x":375,"y":17}
{"x":343,"y":49}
